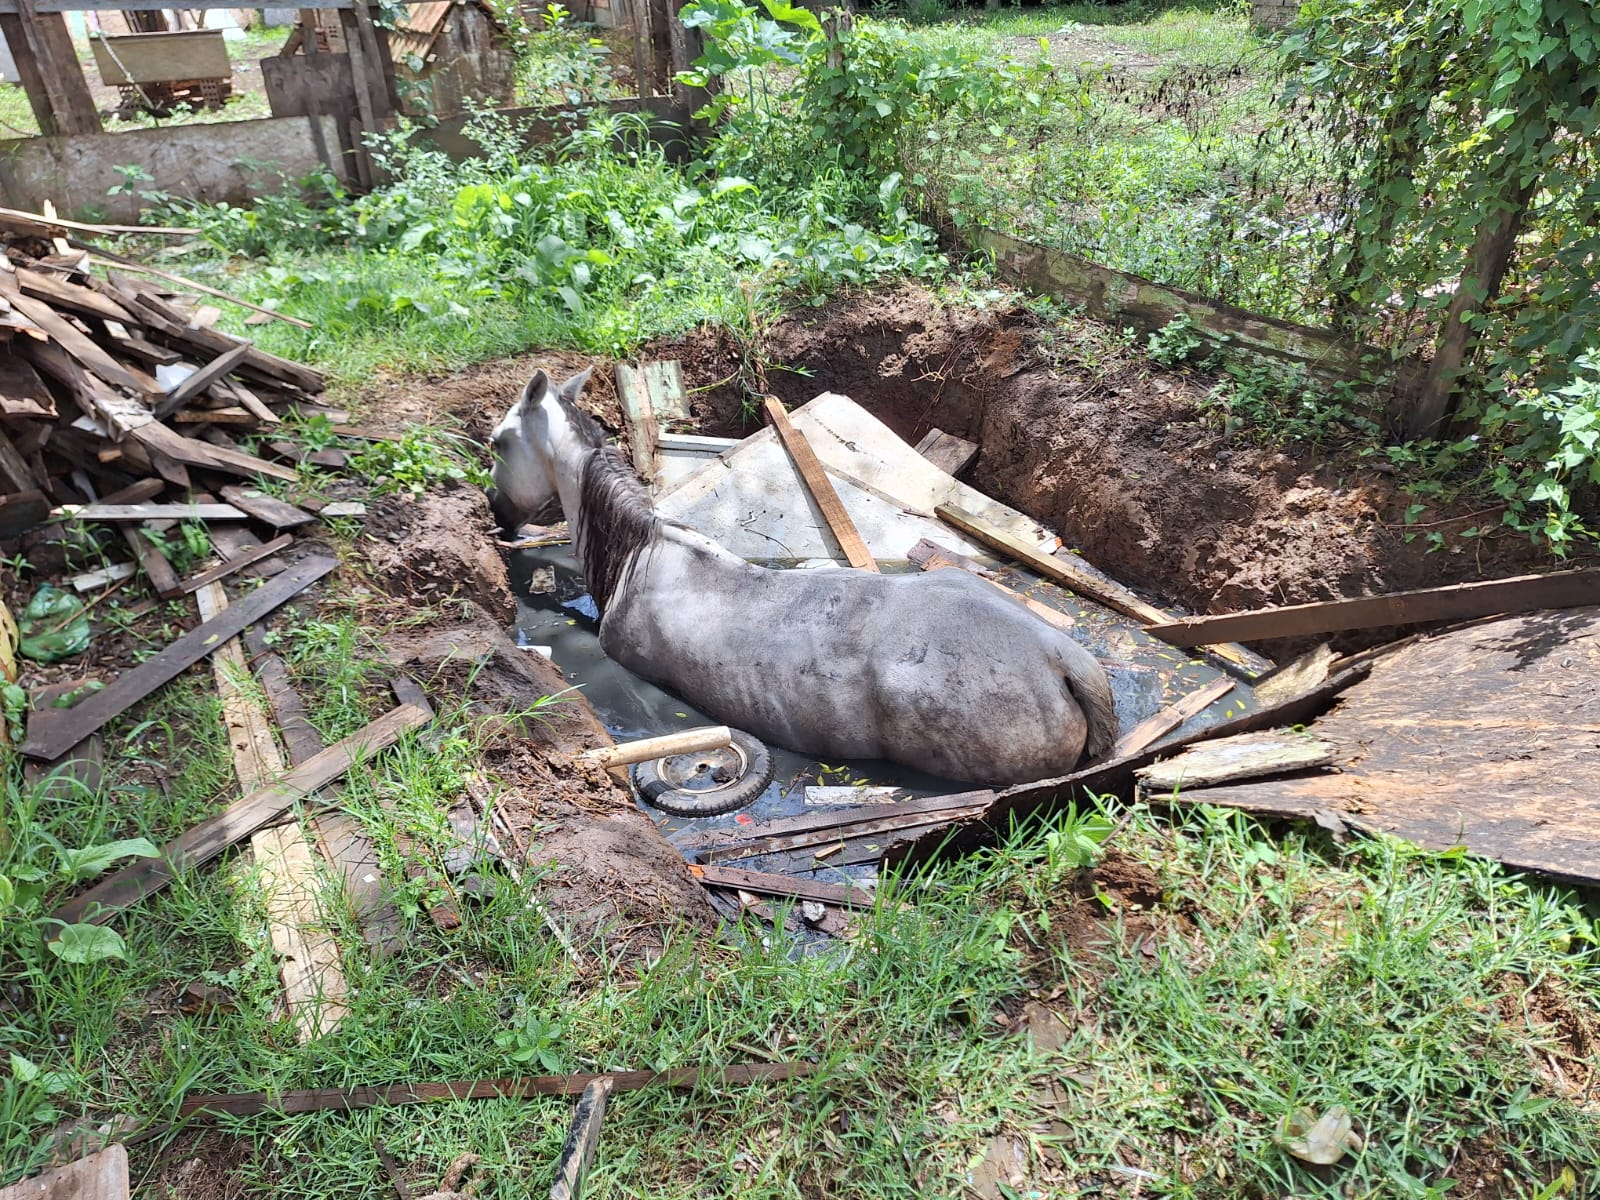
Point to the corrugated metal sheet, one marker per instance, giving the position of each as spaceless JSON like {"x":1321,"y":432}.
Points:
{"x":419,"y":29}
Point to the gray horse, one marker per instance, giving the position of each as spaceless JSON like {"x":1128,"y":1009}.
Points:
{"x":938,"y":671}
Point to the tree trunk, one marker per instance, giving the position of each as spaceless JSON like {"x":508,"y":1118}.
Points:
{"x":1479,"y":285}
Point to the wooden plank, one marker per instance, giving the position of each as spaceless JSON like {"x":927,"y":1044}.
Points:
{"x":300,"y":737}
{"x":930,"y":556}
{"x":208,"y":456}
{"x":1085,"y":582}
{"x":163,"y":579}
{"x":101,"y":1176}
{"x":314,"y":985}
{"x":844,"y":831}
{"x":232,"y":389}
{"x":148,"y":352}
{"x":237,"y":563}
{"x":216,"y":416}
{"x":577,"y":1154}
{"x":194,"y":384}
{"x":832,"y":822}
{"x":127,"y":264}
{"x":634,"y":393}
{"x":76,"y":343}
{"x":22,"y":511}
{"x":764,"y":884}
{"x":257,"y":760}
{"x":950,"y":454}
{"x":208,"y":839}
{"x":264,"y":508}
{"x":247,"y":1104}
{"x":1303,"y":674}
{"x":91,"y":581}
{"x":15,"y":473}
{"x":59,"y":293}
{"x":48,"y":69}
{"x":1225,"y":760}
{"x":50,"y":739}
{"x":816,"y":482}
{"x":1524,"y":593}
{"x":38,"y":225}
{"x":1156,"y":726}
{"x":174,"y":324}
{"x":22,"y":393}
{"x":149,"y":512}
{"x":688,"y":741}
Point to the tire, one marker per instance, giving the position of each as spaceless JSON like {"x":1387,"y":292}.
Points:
{"x":708,"y":783}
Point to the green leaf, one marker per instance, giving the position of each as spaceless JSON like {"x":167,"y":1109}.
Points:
{"x":92,"y":860}
{"x":24,"y":1070}
{"x":87,"y":944}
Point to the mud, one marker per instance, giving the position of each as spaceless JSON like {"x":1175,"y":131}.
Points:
{"x":437,"y":547}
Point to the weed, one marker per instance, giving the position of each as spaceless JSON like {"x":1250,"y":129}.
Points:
{"x":1176,"y":342}
{"x":419,"y":459}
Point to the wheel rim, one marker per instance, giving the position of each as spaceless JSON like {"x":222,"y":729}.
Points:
{"x":706,"y":772}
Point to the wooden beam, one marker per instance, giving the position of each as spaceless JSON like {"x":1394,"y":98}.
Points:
{"x":149,"y":512}
{"x":1156,"y":726}
{"x":208,"y":839}
{"x":1524,"y":593}
{"x":237,"y":563}
{"x":48,"y":69}
{"x":816,"y":482}
{"x":49,"y":739}
{"x":633,"y":391}
{"x":582,"y":1139}
{"x":1083,"y":581}
{"x":267,"y":509}
{"x":688,"y":741}
{"x":192,"y":386}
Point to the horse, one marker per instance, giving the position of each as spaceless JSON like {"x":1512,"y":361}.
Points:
{"x":939,"y":671}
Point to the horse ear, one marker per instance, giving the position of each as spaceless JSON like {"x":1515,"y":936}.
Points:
{"x":572,"y":388}
{"x":533,"y":394}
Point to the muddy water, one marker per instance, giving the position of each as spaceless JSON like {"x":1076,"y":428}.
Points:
{"x":554,"y":610}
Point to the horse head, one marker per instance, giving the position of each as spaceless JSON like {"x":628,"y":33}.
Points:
{"x":524,"y":444}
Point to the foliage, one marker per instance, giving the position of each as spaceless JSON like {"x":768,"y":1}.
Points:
{"x":419,"y":459}
{"x":558,"y":63}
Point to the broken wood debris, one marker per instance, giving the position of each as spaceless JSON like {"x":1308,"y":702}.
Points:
{"x":211,"y":837}
{"x":1224,"y":760}
{"x":101,"y":1176}
{"x":50,"y":738}
{"x":766,"y":884}
{"x":1156,"y":726}
{"x":950,"y":454}
{"x":815,"y":479}
{"x":247,"y":1104}
{"x":1523,"y":593}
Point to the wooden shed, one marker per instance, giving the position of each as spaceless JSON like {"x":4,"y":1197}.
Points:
{"x":449,"y":52}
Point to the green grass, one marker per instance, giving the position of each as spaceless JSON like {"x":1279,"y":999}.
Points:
{"x":1186,"y":33}
{"x":1279,"y":971}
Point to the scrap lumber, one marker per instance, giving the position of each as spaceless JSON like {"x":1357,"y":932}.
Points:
{"x":22,"y":511}
{"x":832,"y":822}
{"x":688,"y":741}
{"x":154,"y":564}
{"x":1298,"y":676}
{"x":48,"y":739}
{"x":930,"y":556}
{"x":950,"y":454}
{"x":249,"y":1104}
{"x":128,"y":264}
{"x":41,"y":226}
{"x":582,"y":1139}
{"x":764,"y":884}
{"x":1156,"y":726}
{"x":815,"y":479}
{"x":842,"y":833}
{"x":208,"y":839}
{"x":101,"y":1176}
{"x":149,"y":512}
{"x":1087,"y":583}
{"x":1227,"y":760}
{"x":257,"y":760}
{"x":633,"y":390}
{"x":1523,"y":593}
{"x":203,"y":378}
{"x":267,"y":509}
{"x":92,"y":581}
{"x":237,"y":563}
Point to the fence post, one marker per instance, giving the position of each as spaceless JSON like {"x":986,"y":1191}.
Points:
{"x":47,"y":68}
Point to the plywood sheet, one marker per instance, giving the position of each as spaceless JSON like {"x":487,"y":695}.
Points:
{"x":752,"y":501}
{"x":1487,"y":737}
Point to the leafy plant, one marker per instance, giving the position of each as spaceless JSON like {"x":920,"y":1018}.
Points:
{"x":418,"y":459}
{"x":1175,"y":342}
{"x":537,"y":1040}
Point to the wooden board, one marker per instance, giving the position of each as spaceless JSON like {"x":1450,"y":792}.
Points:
{"x":237,"y":563}
{"x":152,"y":512}
{"x":211,"y":837}
{"x":101,"y":1176}
{"x":194,"y":384}
{"x":764,"y":884}
{"x":950,"y":454}
{"x":1487,"y":737}
{"x":930,"y":556}
{"x":816,"y":483}
{"x":298,"y":923}
{"x":257,"y":761}
{"x":163,"y":579}
{"x":1524,"y":593}
{"x":1085,"y":582}
{"x":49,"y":739}
{"x":1156,"y":726}
{"x":208,"y":455}
{"x":1224,"y":760}
{"x":834,"y":820}
{"x":633,"y":392}
{"x":267,"y":509}
{"x":79,"y":345}
{"x":244,"y":1104}
{"x":583,"y":1137}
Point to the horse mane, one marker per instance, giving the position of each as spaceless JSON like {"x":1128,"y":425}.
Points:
{"x":617,"y":522}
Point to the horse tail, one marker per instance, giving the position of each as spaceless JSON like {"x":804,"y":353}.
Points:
{"x":1087,"y":681}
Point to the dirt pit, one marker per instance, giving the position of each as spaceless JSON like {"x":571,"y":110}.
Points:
{"x":1129,"y":463}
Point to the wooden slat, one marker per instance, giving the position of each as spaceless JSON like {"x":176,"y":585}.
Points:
{"x":577,"y":1154}
{"x":1524,"y":593}
{"x":151,"y":512}
{"x":268,"y":509}
{"x":843,"y":832}
{"x":101,"y":1176}
{"x":765,"y":884}
{"x":76,"y":343}
{"x":219,"y":366}
{"x":325,"y":1099}
{"x":237,"y":563}
{"x":257,"y":761}
{"x":833,"y":821}
{"x":314,"y":985}
{"x":215,"y":416}
{"x":816,"y":482}
{"x":1226,"y":760}
{"x":154,"y":564}
{"x":209,"y":456}
{"x":1086,"y":583}
{"x":48,"y":739}
{"x":1156,"y":726}
{"x":62,"y":294}
{"x":211,"y":837}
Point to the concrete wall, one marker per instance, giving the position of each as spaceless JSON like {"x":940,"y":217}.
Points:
{"x":1273,"y":14}
{"x":199,"y":162}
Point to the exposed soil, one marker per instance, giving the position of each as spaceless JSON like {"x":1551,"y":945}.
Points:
{"x":438,"y":547}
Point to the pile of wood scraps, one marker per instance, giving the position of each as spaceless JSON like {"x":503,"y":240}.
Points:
{"x":108,"y":381}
